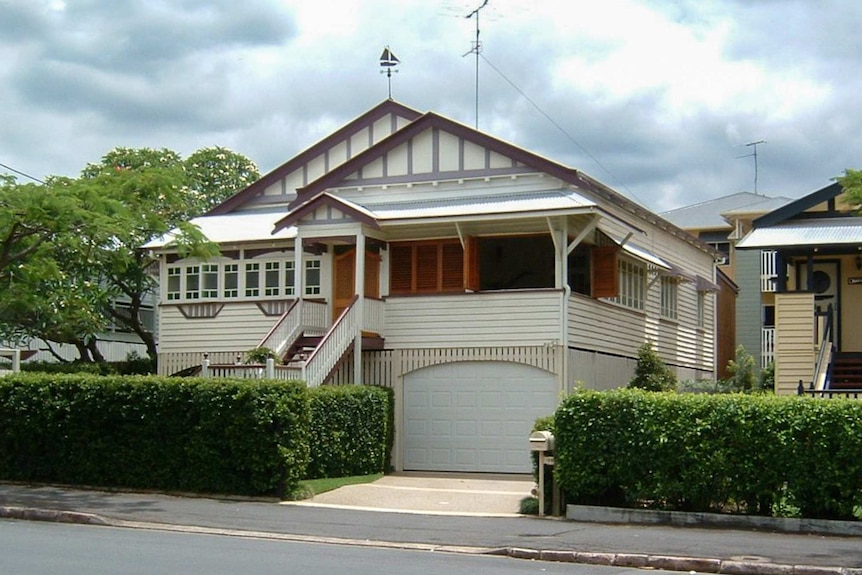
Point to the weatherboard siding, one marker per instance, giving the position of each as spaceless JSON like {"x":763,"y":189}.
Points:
{"x":525,"y":318}
{"x":237,"y":326}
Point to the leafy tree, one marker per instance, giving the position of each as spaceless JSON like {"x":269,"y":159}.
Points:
{"x":851,"y":181}
{"x":71,"y":247}
{"x":217,"y":173}
{"x":741,"y":371}
{"x":651,"y":373}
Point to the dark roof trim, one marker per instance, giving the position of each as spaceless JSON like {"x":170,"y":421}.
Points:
{"x":795,"y":208}
{"x":324,"y":199}
{"x":383,"y":109}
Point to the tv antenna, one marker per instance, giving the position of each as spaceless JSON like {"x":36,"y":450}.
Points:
{"x":388,"y":62}
{"x":477,"y":49}
{"x":753,"y":154}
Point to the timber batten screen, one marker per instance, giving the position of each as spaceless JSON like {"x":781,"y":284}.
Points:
{"x":426,"y":267}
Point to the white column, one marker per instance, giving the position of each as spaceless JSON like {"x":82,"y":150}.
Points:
{"x":359,"y":312}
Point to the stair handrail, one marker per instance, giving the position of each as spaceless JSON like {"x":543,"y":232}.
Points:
{"x":332,"y":347}
{"x":293,"y":323}
{"x":823,"y":367}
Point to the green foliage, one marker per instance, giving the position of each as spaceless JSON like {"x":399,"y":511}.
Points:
{"x":756,"y":454}
{"x":258,"y":355}
{"x":351,"y":430}
{"x":651,"y":373}
{"x":767,"y":377}
{"x":210,"y":436}
{"x":216,"y":173}
{"x":851,"y":181}
{"x":741,"y":371}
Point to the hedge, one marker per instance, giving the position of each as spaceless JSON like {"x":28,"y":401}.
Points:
{"x":216,"y":436}
{"x":351,"y":430}
{"x":762,"y":455}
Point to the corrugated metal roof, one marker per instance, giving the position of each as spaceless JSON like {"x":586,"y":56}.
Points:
{"x":513,"y":203}
{"x":825,"y":232}
{"x":708,"y":214}
{"x":236,"y":227}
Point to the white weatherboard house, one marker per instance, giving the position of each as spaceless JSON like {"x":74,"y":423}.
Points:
{"x":491,"y":281}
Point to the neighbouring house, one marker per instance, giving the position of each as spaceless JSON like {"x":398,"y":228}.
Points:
{"x":816,"y":242}
{"x":479,"y":280}
{"x":746,"y":303}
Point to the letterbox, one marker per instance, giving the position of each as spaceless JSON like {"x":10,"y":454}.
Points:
{"x":541,"y":441}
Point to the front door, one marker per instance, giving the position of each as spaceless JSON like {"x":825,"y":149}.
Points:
{"x":344,"y":279}
{"x":826,"y":285}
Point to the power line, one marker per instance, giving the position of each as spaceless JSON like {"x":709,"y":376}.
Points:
{"x":20,"y":173}
{"x":562,"y":130}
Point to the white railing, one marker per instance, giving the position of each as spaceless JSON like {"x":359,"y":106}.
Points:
{"x":332,"y":347}
{"x":300,"y":316}
{"x":768,"y":270}
{"x":374,"y":315}
{"x":767,"y":346}
{"x":15,"y":356}
{"x":250,"y":371}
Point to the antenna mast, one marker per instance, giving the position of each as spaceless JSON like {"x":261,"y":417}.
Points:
{"x":754,"y":146}
{"x":477,"y":49}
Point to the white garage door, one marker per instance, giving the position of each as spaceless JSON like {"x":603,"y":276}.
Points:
{"x":474,"y":416}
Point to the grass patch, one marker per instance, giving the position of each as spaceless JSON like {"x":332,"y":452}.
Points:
{"x":311,"y":487}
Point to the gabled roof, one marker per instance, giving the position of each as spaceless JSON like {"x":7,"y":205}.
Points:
{"x":337,"y":176}
{"x":708,"y":215}
{"x":383,"y":109}
{"x":797,"y":207}
{"x":535,"y":203}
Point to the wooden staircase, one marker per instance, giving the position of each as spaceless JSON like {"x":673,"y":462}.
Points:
{"x":304,"y":347}
{"x":846,"y":371}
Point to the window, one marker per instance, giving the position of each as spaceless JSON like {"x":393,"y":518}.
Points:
{"x":426,"y":267}
{"x":312,"y":277}
{"x":252,"y":279}
{"x":768,"y":316}
{"x":272,"y":278}
{"x":516,"y":262}
{"x":668,"y":297}
{"x":701,"y":309}
{"x":174,"y":277}
{"x":580,"y":274}
{"x":289,"y":279}
{"x":193,"y":282}
{"x":231,"y":280}
{"x":210,"y":281}
{"x":632,"y":284}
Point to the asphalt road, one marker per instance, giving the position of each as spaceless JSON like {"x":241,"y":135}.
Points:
{"x":39,"y":548}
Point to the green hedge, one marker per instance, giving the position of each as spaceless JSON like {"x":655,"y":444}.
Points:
{"x":217,"y":436}
{"x":731,"y":453}
{"x":351,"y":430}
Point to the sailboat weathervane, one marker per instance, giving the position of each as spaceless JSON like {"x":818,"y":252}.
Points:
{"x":388,"y":62}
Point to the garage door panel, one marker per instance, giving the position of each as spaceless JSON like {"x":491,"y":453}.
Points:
{"x":479,"y":417}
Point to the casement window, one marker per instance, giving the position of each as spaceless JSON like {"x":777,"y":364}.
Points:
{"x":193,"y":282}
{"x":632,"y":284}
{"x":669,"y":287}
{"x":701,"y":309}
{"x":312,"y":277}
{"x":426,"y":267}
{"x":209,"y":281}
{"x":252,"y":279}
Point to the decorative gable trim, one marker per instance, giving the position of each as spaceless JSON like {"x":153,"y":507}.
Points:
{"x":368,"y":119}
{"x":325,"y":200}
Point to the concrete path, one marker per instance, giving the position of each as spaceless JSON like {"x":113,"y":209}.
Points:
{"x":433,"y":493}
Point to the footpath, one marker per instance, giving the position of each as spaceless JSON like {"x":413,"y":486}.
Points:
{"x":689,"y":548}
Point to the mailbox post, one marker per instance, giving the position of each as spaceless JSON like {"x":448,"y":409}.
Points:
{"x":543,"y":443}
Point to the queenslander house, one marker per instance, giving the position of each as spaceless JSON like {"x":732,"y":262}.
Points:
{"x":477,"y":279}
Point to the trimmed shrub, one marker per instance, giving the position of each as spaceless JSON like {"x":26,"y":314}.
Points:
{"x":198,"y":435}
{"x":351,"y":430}
{"x":651,"y":373}
{"x":757,"y":454}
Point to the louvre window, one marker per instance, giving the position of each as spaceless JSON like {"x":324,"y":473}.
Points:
{"x":426,"y":267}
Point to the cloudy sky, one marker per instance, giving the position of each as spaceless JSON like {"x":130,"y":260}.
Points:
{"x":656,"y":98}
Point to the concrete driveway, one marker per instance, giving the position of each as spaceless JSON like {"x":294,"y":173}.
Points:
{"x":433,"y":493}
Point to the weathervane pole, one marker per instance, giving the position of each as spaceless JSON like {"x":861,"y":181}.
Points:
{"x":388,"y":62}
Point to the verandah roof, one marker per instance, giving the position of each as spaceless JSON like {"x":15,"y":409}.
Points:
{"x":832,"y":232}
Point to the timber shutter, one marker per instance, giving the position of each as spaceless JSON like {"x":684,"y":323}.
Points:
{"x":605,"y":274}
{"x":426,"y":267}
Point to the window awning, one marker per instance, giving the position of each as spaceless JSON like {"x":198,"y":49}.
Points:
{"x":704,"y":284}
{"x":657,"y":264}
